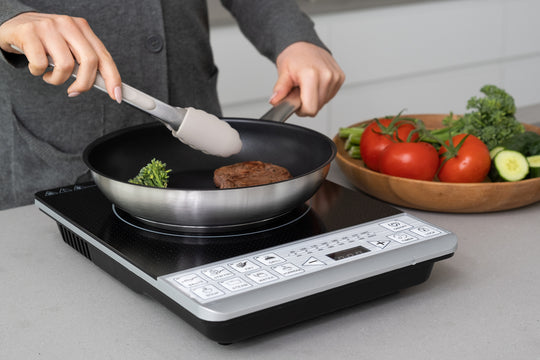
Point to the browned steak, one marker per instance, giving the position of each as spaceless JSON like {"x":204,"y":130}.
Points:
{"x":249,"y":173}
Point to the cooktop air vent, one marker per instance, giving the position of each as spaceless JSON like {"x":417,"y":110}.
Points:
{"x":75,"y":241}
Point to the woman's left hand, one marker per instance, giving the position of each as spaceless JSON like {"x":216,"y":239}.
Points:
{"x":313,"y":70}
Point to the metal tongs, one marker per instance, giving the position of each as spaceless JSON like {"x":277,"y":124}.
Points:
{"x":200,"y":130}
{"x":172,"y":116}
{"x":169,"y":115}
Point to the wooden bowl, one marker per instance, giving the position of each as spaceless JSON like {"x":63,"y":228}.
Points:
{"x":438,"y":196}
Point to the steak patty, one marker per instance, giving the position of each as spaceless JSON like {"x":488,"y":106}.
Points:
{"x":249,"y":173}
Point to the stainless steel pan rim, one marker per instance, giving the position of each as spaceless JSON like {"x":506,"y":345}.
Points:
{"x":180,"y":207}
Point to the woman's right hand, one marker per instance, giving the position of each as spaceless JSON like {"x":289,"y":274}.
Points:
{"x":68,"y":40}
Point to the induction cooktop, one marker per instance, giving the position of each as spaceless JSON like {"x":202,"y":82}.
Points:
{"x":338,"y":249}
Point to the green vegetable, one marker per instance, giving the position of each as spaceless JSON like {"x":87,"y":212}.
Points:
{"x":353,"y":135}
{"x":153,"y":174}
{"x":509,"y":165}
{"x":346,"y":132}
{"x":352,"y":140}
{"x":354,"y":152}
{"x":527,"y":143}
{"x":534,"y":166}
{"x":495,"y":151}
{"x":492,"y":119}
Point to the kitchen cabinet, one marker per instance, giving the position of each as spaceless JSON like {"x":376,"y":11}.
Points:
{"x":421,"y":56}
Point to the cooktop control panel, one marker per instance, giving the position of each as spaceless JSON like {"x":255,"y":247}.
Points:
{"x":313,"y":263}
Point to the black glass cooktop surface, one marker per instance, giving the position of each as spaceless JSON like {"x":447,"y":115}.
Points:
{"x":158,"y":251}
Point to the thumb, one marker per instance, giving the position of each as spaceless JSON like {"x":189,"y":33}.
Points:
{"x":282,"y":88}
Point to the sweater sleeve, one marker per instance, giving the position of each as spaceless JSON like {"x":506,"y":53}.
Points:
{"x":271,"y":26}
{"x":8,"y":10}
{"x":12,"y":8}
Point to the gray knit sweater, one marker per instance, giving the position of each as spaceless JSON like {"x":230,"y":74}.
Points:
{"x":160,"y":47}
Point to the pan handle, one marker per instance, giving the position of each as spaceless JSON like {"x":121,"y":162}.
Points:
{"x":282,"y":111}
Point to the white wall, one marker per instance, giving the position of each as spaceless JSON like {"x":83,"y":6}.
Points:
{"x":426,"y":58}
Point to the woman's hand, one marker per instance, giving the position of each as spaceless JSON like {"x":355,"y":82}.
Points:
{"x":68,"y":40}
{"x":313,"y":70}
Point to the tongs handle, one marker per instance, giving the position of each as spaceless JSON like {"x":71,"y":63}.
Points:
{"x":167,"y":114}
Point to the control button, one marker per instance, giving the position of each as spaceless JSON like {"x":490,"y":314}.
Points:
{"x":287,"y":269}
{"x":190,"y":280}
{"x":269,"y":259}
{"x":82,"y":187}
{"x":364,"y":235}
{"x":207,"y":292}
{"x":292,"y":253}
{"x":425,"y":231}
{"x":402,"y":237}
{"x":244,"y":266}
{"x":154,"y":43}
{"x":353,"y":238}
{"x":262,"y":276}
{"x":235,"y":284}
{"x":313,"y":261}
{"x":380,"y":243}
{"x":217,"y":273}
{"x":395,"y":225}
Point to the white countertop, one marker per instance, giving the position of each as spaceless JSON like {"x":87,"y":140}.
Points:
{"x":483,"y":303}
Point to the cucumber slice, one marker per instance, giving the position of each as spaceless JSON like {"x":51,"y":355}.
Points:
{"x":510,"y":165}
{"x":534,"y":166}
{"x":495,"y":151}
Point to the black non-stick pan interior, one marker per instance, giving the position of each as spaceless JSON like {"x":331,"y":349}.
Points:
{"x":121,"y":155}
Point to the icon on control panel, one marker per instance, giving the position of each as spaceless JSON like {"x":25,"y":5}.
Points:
{"x":243,"y":266}
{"x":269,"y":259}
{"x":395,"y":225}
{"x":425,"y":231}
{"x":381,"y":244}
{"x":313,"y":261}
{"x":402,"y":237}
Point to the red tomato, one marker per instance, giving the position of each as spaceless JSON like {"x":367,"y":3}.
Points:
{"x":375,"y":139}
{"x":470,"y":164}
{"x":418,"y":161}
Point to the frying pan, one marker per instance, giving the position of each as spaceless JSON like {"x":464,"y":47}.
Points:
{"x":192,"y":200}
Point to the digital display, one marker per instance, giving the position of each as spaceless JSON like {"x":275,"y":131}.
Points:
{"x":344,"y":254}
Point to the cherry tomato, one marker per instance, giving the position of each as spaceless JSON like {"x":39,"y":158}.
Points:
{"x":375,"y":139}
{"x":471,"y":163}
{"x":418,"y":160}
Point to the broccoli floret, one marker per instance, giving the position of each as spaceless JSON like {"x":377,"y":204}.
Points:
{"x":496,"y":100}
{"x":492,"y":119}
{"x":154,"y":174}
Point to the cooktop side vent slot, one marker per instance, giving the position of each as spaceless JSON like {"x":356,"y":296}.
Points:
{"x":75,"y":241}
